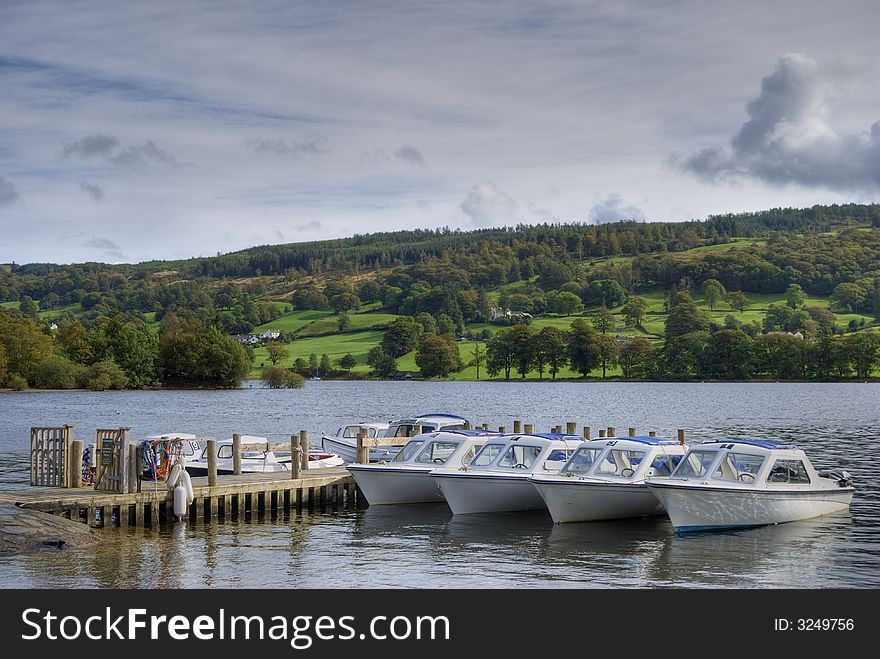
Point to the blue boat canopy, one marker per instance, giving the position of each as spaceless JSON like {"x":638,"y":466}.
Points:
{"x":645,"y":439}
{"x":761,"y":443}
{"x":549,"y":435}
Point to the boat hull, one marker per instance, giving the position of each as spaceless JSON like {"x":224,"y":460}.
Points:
{"x":347,"y":450}
{"x":694,"y":508}
{"x":382,"y":486}
{"x":469,"y":493}
{"x":581,"y":501}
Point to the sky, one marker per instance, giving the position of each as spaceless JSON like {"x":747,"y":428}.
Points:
{"x":165,"y":130}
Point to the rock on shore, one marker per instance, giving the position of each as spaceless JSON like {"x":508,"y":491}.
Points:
{"x":26,"y":530}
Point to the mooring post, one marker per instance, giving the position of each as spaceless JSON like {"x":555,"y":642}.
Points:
{"x":295,"y":463}
{"x":528,"y":428}
{"x":76,"y":461}
{"x":588,"y":433}
{"x":632,"y":432}
{"x":236,"y":454}
{"x":304,"y":447}
{"x":517,"y":426}
{"x":212,"y":462}
{"x":133,"y":475}
{"x":652,"y":433}
{"x":362,"y":454}
{"x":502,"y":429}
{"x":602,"y":432}
{"x":681,"y":436}
{"x":467,"y":425}
{"x":612,"y":431}
{"x":571,"y":428}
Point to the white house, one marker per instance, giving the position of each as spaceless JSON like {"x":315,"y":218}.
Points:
{"x":269,"y":335}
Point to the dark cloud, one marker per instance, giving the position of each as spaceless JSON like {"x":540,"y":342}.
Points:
{"x":310,"y":145}
{"x":411,"y":155}
{"x":92,"y":146}
{"x":8,"y":193}
{"x":487,"y":205}
{"x":613,"y":209}
{"x":787,"y":138}
{"x":108,"y":247}
{"x":146,"y":154}
{"x":96,"y":192}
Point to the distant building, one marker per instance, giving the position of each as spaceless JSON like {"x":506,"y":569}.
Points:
{"x":269,"y":335}
{"x":497,"y":313}
{"x":796,"y":335}
{"x":246,"y":339}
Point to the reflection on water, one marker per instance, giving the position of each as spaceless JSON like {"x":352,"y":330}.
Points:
{"x":424,"y":545}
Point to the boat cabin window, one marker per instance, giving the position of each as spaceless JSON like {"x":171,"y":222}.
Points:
{"x":436,"y":452}
{"x":519,"y":457}
{"x":738,"y":467}
{"x":467,"y":457}
{"x":788,"y":471}
{"x":664,"y":465}
{"x":695,"y":464}
{"x":372,"y":432}
{"x":408,"y":451}
{"x":351,"y":432}
{"x":488,"y":454}
{"x":189,"y":448}
{"x":454,"y":426}
{"x":582,"y":461}
{"x":224,"y":452}
{"x":619,"y":462}
{"x":406,"y":430}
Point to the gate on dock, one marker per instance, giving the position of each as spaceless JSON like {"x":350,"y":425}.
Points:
{"x":111,"y":460}
{"x":50,"y":448}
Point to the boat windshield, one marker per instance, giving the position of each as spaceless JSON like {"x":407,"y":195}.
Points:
{"x":436,"y":452}
{"x":738,"y":467}
{"x":620,"y":462}
{"x":519,"y":456}
{"x":788,"y":471}
{"x":695,"y":464}
{"x":487,"y":455}
{"x":408,"y":451}
{"x":582,"y":461}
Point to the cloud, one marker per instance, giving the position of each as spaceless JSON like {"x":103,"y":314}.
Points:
{"x":788,"y":139}
{"x":310,"y":145}
{"x":411,"y":155}
{"x":96,"y":192}
{"x":92,"y":146}
{"x":613,"y":209}
{"x":108,"y":247}
{"x":487,"y":205}
{"x":8,"y":193}
{"x":109,"y":148}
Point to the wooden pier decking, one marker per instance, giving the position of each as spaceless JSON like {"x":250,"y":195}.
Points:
{"x":234,"y":497}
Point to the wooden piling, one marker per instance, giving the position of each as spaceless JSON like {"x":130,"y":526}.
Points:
{"x":588,"y":433}
{"x":212,"y":462}
{"x":571,"y":428}
{"x":612,"y":431}
{"x":602,"y":432}
{"x":295,"y":462}
{"x":652,"y":433}
{"x":75,"y":463}
{"x":362,"y":454}
{"x":467,"y":425}
{"x":681,"y":436}
{"x":134,"y":481}
{"x":632,"y":432}
{"x":528,"y":428}
{"x":236,"y":454}
{"x":502,"y":429}
{"x":304,"y":448}
{"x":517,"y":427}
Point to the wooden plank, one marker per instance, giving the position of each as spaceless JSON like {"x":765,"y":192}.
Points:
{"x":373,"y":442}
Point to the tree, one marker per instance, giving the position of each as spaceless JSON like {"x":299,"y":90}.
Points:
{"x":795,"y":296}
{"x":550,"y":350}
{"x":849,"y":296}
{"x":277,"y":352}
{"x":313,"y":364}
{"x":369,"y":290}
{"x":56,"y":372}
{"x":348,"y":362}
{"x":521,"y":340}
{"x":383,"y":364}
{"x":326,"y":367}
{"x":605,"y":293}
{"x":4,"y":364}
{"x":607,"y":346}
{"x":28,"y":307}
{"x":583,"y":350}
{"x":713,"y":291}
{"x":634,"y":311}
{"x":685,"y":318}
{"x":779,"y":356}
{"x":603,"y":320}
{"x":277,"y":378}
{"x":635,"y":357}
{"x":401,"y":336}
{"x":738,"y":301}
{"x":343,"y":321}
{"x":104,"y":375}
{"x":682,"y":356}
{"x":500,"y":354}
{"x":729,"y":354}
{"x":863,"y":350}
{"x":427,"y":322}
{"x":520,"y":302}
{"x":189,"y":354}
{"x":566,"y":304}
{"x":309,"y":298}
{"x":478,"y":356}
{"x":134,"y":348}
{"x":345,"y":302}
{"x":437,"y":356}
{"x":25,"y":345}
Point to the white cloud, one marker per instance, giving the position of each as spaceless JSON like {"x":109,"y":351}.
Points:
{"x":486,"y":205}
{"x":613,"y":209}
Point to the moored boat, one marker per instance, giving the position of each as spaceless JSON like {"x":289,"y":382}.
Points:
{"x":257,"y":456}
{"x":406,"y":477}
{"x":605,"y":479}
{"x":497,"y":479}
{"x":742,"y":483}
{"x":344,"y":442}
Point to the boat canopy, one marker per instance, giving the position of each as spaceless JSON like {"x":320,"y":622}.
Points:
{"x":769,"y":444}
{"x":642,"y":439}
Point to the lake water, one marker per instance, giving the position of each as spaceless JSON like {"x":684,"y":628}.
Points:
{"x":425,"y":546}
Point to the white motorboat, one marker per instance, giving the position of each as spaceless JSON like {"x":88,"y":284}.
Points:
{"x":497,"y":479}
{"x":406,"y":478}
{"x":345,"y":441}
{"x":605,"y":479}
{"x":257,"y":456}
{"x":740,"y":483}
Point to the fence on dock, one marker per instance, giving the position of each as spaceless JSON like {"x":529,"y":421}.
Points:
{"x":49,"y":456}
{"x":111,"y":461}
